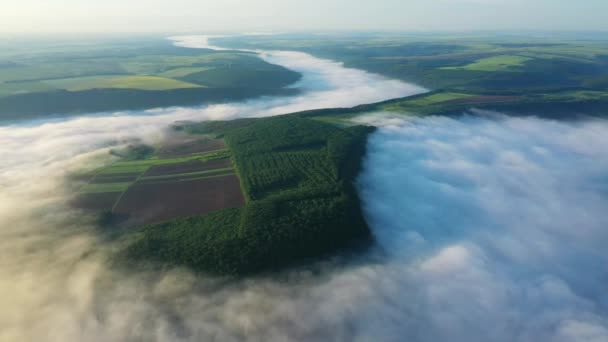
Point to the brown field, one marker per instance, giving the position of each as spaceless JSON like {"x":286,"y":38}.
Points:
{"x":96,"y":201}
{"x":172,"y":190}
{"x":482,"y":99}
{"x":191,"y":166}
{"x":152,"y":203}
{"x":180,"y":148}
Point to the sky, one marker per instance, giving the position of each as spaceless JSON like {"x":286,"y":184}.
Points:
{"x":81,"y":16}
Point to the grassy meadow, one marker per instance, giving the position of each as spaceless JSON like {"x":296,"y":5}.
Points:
{"x":496,"y":63}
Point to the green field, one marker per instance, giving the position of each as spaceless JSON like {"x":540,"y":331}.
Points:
{"x":496,"y":63}
{"x":188,"y":177}
{"x":193,"y":175}
{"x":125,"y":82}
{"x":52,"y":69}
{"x":181,"y":72}
{"x":136,"y":168}
{"x":435,"y":98}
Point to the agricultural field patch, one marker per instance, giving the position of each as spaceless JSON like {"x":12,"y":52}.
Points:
{"x":438,"y":98}
{"x":578,"y":95}
{"x":125,"y":82}
{"x":185,"y":71}
{"x":48,"y":70}
{"x":187,"y":175}
{"x":106,"y":187}
{"x":482,"y":99}
{"x":124,"y":168}
{"x":150,"y":203}
{"x":186,"y":167}
{"x":185,"y":146}
{"x":496,"y":63}
{"x":425,"y":102}
{"x":114,"y":178}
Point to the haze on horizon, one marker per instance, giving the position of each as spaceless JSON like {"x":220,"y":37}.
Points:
{"x":86,"y":16}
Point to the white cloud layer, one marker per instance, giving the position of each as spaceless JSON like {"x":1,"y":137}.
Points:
{"x":498,"y":224}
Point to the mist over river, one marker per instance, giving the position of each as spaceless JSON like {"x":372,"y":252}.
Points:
{"x":489,"y":228}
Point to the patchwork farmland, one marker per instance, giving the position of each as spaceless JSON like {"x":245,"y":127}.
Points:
{"x":181,"y":178}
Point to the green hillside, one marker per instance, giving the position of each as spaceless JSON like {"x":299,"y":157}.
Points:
{"x":128,"y":75}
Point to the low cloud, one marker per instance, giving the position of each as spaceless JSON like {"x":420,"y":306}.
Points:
{"x":501,"y":224}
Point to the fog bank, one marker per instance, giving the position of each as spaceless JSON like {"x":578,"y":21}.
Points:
{"x":498,"y":227}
